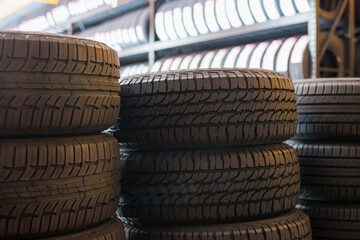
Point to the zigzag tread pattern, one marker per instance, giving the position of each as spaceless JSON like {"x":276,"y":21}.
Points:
{"x":332,"y":220}
{"x":206,"y":108}
{"x":31,"y":114}
{"x":208,"y":186}
{"x":329,"y":170}
{"x":52,"y":53}
{"x":54,"y":186}
{"x":328,"y":108}
{"x":294,"y":225}
{"x":112,"y":229}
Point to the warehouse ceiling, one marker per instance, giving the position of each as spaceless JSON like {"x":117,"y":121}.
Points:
{"x":12,"y":11}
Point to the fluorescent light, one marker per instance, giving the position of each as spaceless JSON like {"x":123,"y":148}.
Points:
{"x":268,"y":61}
{"x":210,"y":17}
{"x":230,"y":60}
{"x":256,"y":57}
{"x":199,"y":18}
{"x":257,"y":10}
{"x":221,"y":15}
{"x":244,"y":12}
{"x":232,"y":14}
{"x":243,"y":59}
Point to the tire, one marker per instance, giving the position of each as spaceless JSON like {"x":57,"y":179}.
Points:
{"x":333,"y":220}
{"x":290,"y":226}
{"x":330,"y":171}
{"x":112,"y":229}
{"x":328,"y":108}
{"x":54,"y":186}
{"x":52,"y":84}
{"x":208,"y":186}
{"x":206,"y":108}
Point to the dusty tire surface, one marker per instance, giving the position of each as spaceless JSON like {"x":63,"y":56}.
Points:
{"x":328,"y":108}
{"x":54,"y":84}
{"x":294,"y":225}
{"x":54,"y":186}
{"x":112,"y":229}
{"x":330,"y":171}
{"x":332,"y":220}
{"x":205,"y":108}
{"x":208,"y":186}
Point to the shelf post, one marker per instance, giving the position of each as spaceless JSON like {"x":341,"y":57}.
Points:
{"x":313,"y":31}
{"x":151,"y":53}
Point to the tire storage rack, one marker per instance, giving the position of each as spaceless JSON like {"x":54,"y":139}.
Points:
{"x":328,"y":148}
{"x":203,"y":156}
{"x":59,"y":176}
{"x":145,"y":30}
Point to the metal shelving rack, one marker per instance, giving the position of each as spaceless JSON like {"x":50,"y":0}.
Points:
{"x":311,"y":23}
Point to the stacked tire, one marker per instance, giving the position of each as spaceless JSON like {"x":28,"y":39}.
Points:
{"x":202,"y":156}
{"x":327,"y":142}
{"x":59,"y":176}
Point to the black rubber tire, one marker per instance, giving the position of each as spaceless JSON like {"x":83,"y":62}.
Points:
{"x":53,"y":186}
{"x":112,"y":229}
{"x":208,"y":186}
{"x":330,"y":171}
{"x":294,"y":225}
{"x":333,"y":220}
{"x":54,"y":84}
{"x":206,"y":108}
{"x":328,"y":108}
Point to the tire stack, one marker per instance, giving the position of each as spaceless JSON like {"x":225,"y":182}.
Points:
{"x":327,"y":142}
{"x":202,"y":156}
{"x":59,"y":177}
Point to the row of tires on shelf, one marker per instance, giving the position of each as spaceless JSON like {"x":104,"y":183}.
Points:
{"x":128,"y":30}
{"x":288,"y":56}
{"x":182,"y":19}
